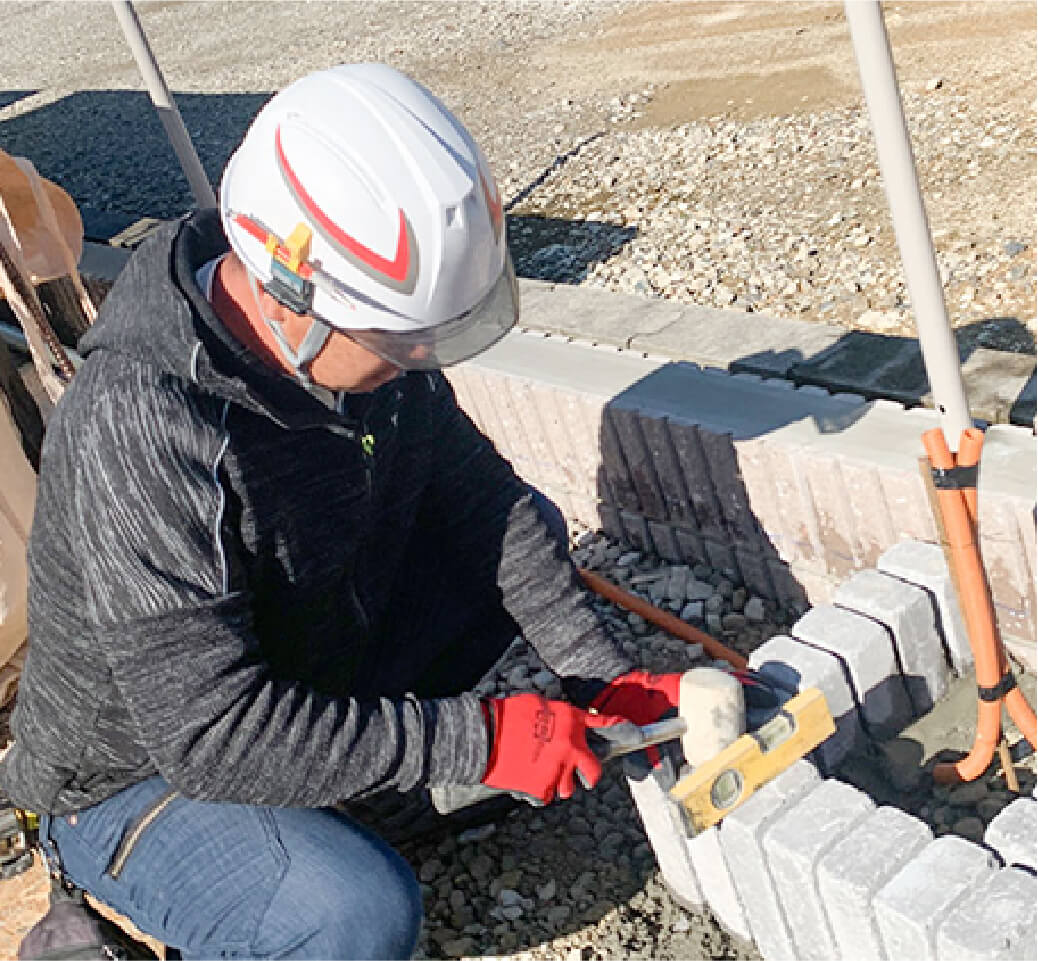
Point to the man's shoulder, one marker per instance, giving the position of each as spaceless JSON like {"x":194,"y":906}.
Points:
{"x":125,"y":400}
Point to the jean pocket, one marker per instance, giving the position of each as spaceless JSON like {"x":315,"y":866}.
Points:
{"x":132,"y":835}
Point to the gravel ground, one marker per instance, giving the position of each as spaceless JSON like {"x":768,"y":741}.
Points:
{"x":716,"y":154}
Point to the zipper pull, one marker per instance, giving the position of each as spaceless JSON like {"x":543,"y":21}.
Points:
{"x":367,"y":444}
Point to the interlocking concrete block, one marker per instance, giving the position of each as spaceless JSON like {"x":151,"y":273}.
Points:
{"x":924,"y":565}
{"x":753,"y":565}
{"x":610,"y":519}
{"x":665,"y":829}
{"x":802,"y":539}
{"x":669,"y":473}
{"x":741,"y":833}
{"x":718,"y":885}
{"x":1013,"y":833}
{"x":788,"y":589}
{"x":911,"y":905}
{"x":855,"y":868}
{"x":664,"y":541}
{"x":835,"y":524}
{"x":870,"y":518}
{"x":995,"y":921}
{"x":636,"y":531}
{"x":691,"y":545}
{"x":905,"y":496}
{"x":867,"y":655}
{"x":817,"y":585}
{"x":906,"y":611}
{"x":641,"y":467}
{"x":794,"y":666}
{"x":720,"y":555}
{"x":688,"y":449}
{"x":757,"y":472}
{"x":739,"y":523}
{"x":795,"y":844}
{"x":622,"y":489}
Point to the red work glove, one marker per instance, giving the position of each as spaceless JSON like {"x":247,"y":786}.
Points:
{"x":538,"y":745}
{"x":639,"y":696}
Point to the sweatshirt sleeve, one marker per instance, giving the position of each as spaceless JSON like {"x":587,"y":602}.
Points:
{"x":180,"y":644}
{"x":492,"y":528}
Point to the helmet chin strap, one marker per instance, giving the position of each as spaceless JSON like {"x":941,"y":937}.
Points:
{"x":315,"y":338}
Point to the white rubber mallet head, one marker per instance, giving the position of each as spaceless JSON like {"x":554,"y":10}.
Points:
{"x":712,"y":705}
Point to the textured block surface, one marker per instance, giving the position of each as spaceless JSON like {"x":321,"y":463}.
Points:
{"x":795,"y":844}
{"x":855,"y":868}
{"x":665,"y":830}
{"x":741,"y":834}
{"x":867,"y":654}
{"x":996,"y":920}
{"x":1013,"y":833}
{"x":912,"y":904}
{"x":916,"y":562}
{"x":906,"y":611}
{"x":715,"y":879}
{"x":794,"y":666}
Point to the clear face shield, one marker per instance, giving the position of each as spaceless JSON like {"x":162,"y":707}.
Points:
{"x":453,"y":341}
{"x":294,"y":280}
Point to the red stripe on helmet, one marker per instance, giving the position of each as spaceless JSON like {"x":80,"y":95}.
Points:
{"x":396,"y":269}
{"x":493,"y":204}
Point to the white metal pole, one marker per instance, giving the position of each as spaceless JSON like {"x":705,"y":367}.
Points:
{"x":896,"y":163}
{"x":167,"y":109}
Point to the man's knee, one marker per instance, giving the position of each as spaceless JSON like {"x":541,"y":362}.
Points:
{"x":353,"y":899}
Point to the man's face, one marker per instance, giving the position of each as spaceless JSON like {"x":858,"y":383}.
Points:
{"x":343,"y":365}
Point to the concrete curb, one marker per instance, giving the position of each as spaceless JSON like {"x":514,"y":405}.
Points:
{"x":809,"y":867}
{"x":793,"y":489}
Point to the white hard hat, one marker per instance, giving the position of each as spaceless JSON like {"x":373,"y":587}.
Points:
{"x":358,"y":198}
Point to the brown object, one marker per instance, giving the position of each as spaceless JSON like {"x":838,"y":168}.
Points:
{"x":1012,"y":781}
{"x":958,"y":520}
{"x":43,"y":258}
{"x":669,"y":623}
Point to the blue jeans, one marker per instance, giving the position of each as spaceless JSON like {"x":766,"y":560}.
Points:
{"x":234,"y":881}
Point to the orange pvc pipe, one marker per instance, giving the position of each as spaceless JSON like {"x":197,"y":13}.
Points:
{"x":669,"y":623}
{"x":964,"y":556}
{"x":970,"y":445}
{"x":958,"y":512}
{"x":1016,"y":704}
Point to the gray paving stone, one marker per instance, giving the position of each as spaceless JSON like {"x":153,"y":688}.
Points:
{"x":795,"y":844}
{"x":906,"y":611}
{"x":867,"y":655}
{"x":741,"y":833}
{"x":665,"y":829}
{"x":718,"y":885}
{"x":996,"y":921}
{"x":911,"y":905}
{"x":598,"y":316}
{"x":794,"y":666}
{"x":1013,"y":833}
{"x":758,"y":343}
{"x":924,"y":565}
{"x":855,"y":868}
